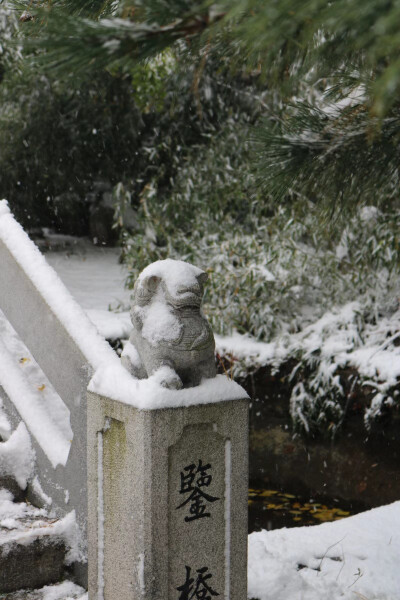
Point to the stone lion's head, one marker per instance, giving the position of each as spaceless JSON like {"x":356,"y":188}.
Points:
{"x":179,"y":283}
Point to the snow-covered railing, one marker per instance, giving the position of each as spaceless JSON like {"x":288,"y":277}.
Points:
{"x":55,"y":333}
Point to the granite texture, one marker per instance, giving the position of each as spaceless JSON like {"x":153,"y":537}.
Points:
{"x":179,"y":336}
{"x":172,"y":486}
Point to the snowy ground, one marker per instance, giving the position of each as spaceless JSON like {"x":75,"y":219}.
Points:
{"x":96,"y":280}
{"x":353,"y":558}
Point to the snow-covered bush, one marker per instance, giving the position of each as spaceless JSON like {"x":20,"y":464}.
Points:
{"x":319,"y":294}
{"x":271,"y":273}
{"x":348,"y":362}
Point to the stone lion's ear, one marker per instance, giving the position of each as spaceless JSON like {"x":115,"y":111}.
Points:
{"x":151,"y":283}
{"x":202,"y":278}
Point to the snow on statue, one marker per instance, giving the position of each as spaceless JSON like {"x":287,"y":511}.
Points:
{"x":171,"y":338}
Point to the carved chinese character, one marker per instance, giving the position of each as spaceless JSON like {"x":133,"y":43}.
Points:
{"x":197,"y":589}
{"x":193,"y":479}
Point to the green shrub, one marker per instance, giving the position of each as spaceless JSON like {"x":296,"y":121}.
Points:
{"x":314,"y":293}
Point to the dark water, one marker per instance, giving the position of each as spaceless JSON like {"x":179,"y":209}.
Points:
{"x":273,"y":509}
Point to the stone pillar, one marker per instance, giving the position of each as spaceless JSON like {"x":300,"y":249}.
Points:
{"x":167,"y":501}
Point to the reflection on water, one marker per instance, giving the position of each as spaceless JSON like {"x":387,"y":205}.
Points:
{"x":272,"y":509}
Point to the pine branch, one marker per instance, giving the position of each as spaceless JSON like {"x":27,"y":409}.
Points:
{"x":91,"y":9}
{"x":69,"y":44}
{"x":339,"y":158}
{"x":289,"y":41}
{"x":345,"y":153}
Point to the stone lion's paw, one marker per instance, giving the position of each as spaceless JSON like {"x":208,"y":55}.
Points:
{"x":168,"y":378}
{"x":174,"y":383}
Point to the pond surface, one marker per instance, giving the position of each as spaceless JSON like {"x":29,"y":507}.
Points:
{"x":273,"y":509}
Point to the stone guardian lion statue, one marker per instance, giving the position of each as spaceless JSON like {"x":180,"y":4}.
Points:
{"x":171,"y":341}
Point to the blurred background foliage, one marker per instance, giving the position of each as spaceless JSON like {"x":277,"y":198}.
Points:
{"x":259,"y":140}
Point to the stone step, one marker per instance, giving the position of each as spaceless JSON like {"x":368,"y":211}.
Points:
{"x":7,"y":482}
{"x":32,"y":545}
{"x":61,"y":591}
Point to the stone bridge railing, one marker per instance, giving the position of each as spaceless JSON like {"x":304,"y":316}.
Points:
{"x":157,"y":476}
